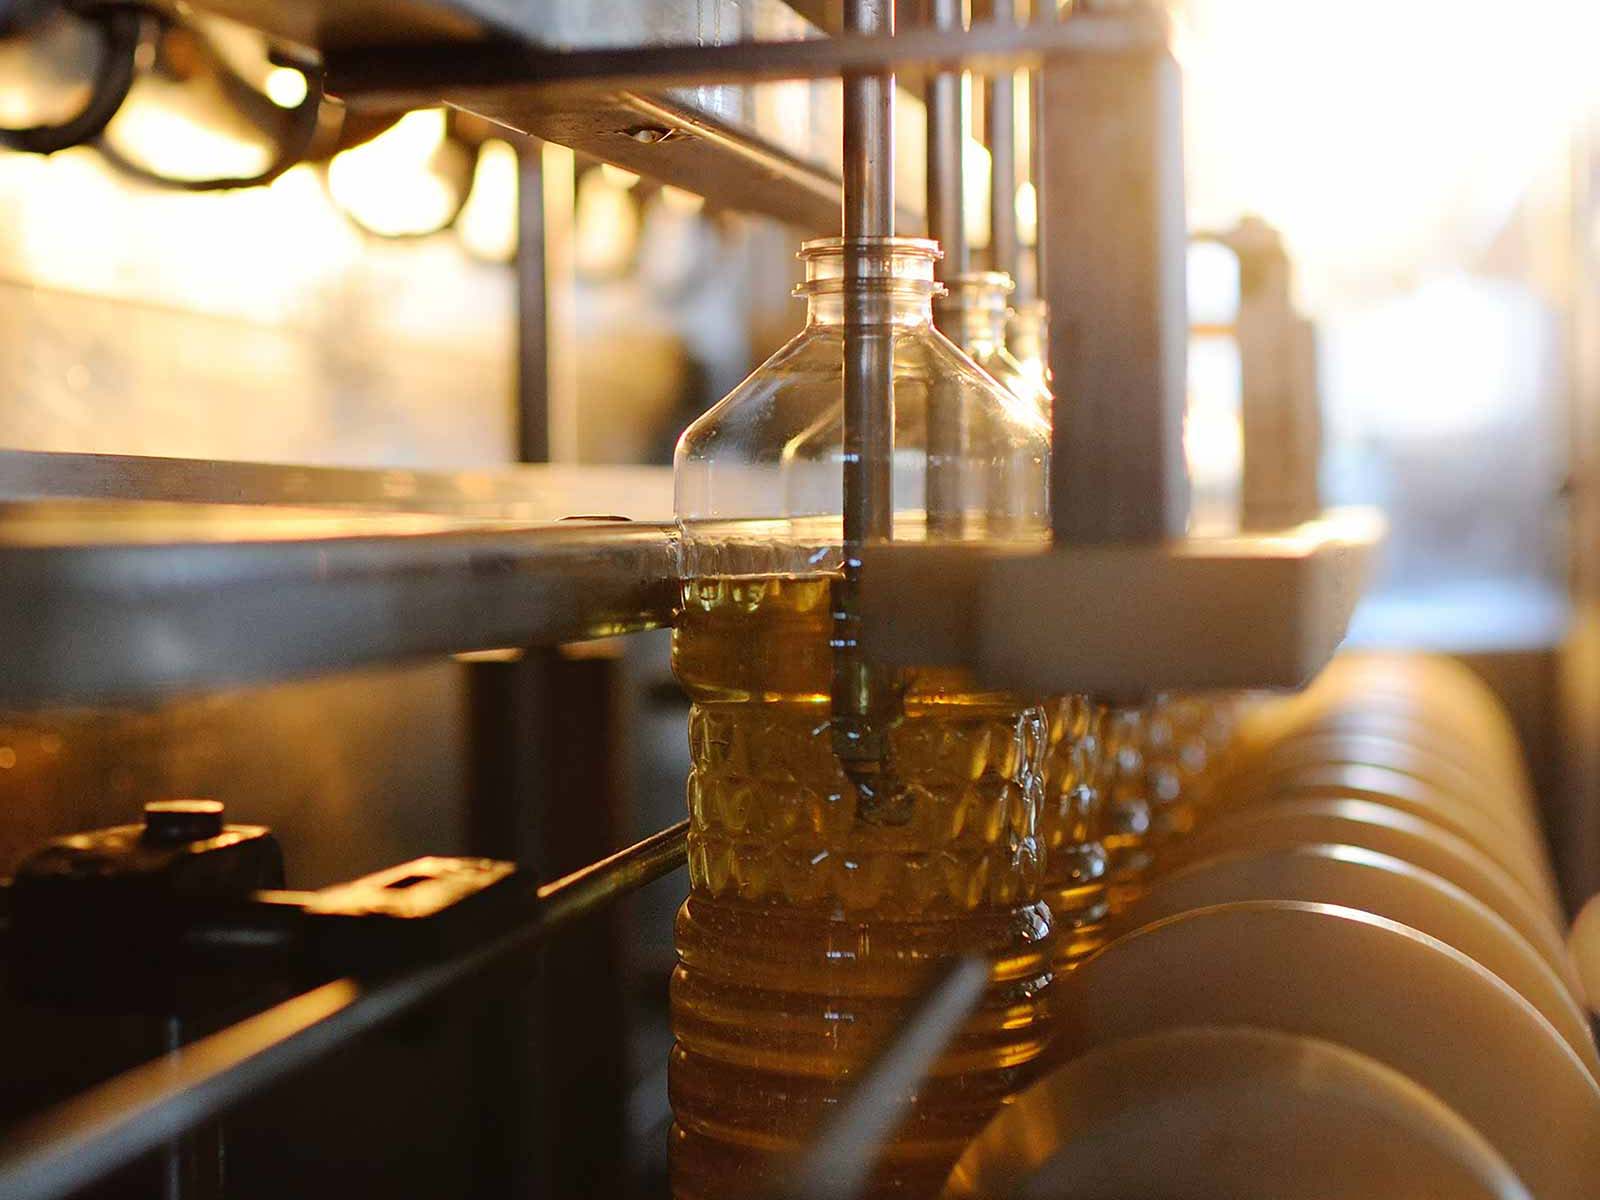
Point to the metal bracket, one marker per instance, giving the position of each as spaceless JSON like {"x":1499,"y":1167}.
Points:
{"x":1123,"y":621}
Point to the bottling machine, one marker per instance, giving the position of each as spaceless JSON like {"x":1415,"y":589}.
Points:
{"x":175,"y":994}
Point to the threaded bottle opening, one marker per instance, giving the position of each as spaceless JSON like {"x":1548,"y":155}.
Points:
{"x":888,"y":264}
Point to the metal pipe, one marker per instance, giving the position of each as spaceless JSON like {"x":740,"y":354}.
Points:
{"x":1000,"y":118}
{"x":868,"y":366}
{"x":946,"y":211}
{"x":105,"y":1128}
{"x":947,"y":225}
{"x":1042,"y":15}
{"x":862,"y":703}
{"x":118,"y":608}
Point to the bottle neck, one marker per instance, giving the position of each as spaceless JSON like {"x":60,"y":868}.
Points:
{"x":977,"y":331}
{"x":900,"y":309}
{"x":975,"y":311}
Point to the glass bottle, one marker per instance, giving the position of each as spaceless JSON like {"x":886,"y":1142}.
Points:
{"x":975,"y":314}
{"x":1162,"y":759}
{"x":1125,"y":816}
{"x":812,"y":919}
{"x":1027,"y":336}
{"x":1187,"y":739}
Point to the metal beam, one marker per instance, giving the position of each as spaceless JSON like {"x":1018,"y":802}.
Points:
{"x":1125,"y":621}
{"x":412,"y":76}
{"x":522,"y":492}
{"x":121,"y":600}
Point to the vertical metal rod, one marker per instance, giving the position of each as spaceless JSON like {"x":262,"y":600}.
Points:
{"x":868,"y":213}
{"x":508,"y":758}
{"x":533,"y":364}
{"x":859,"y":699}
{"x":1000,"y":117}
{"x":947,"y":225}
{"x":1042,"y":12}
{"x":946,"y":138}
{"x":172,"y":1154}
{"x":191,"y":1161}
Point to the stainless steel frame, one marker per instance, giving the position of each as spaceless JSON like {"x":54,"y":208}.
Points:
{"x":123,"y":600}
{"x":232,"y":598}
{"x":464,"y":75}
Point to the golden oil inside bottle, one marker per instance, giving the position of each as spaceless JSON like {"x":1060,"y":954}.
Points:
{"x":1077,"y":869}
{"x":1126,"y":807}
{"x":808,"y":932}
{"x":1185,"y":746}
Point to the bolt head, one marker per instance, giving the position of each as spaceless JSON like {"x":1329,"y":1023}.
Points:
{"x":173,"y":822}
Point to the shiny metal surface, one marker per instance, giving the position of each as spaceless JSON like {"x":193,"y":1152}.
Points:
{"x":1125,"y":620}
{"x":1250,"y":1114}
{"x":412,"y":75}
{"x":1000,"y":117}
{"x":1385,"y":886}
{"x":945,"y":146}
{"x":121,"y":599}
{"x":1408,"y":1001}
{"x":1113,"y":249}
{"x":672,"y":109}
{"x":547,"y":492}
{"x":740,"y":150}
{"x":109,"y":1126}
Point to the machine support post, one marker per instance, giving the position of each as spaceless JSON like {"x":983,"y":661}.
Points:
{"x":1113,"y":247}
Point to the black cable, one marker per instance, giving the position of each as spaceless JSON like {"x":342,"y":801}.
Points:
{"x":120,"y":27}
{"x":292,"y":145}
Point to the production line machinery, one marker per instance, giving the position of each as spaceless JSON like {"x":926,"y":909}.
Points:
{"x":123,"y":579}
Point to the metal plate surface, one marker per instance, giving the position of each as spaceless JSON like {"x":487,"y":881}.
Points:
{"x":542,"y":492}
{"x":1124,"y":621}
{"x":104,"y":600}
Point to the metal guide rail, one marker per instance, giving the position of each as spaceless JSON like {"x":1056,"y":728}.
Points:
{"x":404,"y":937}
{"x":118,"y":599}
{"x":121,"y":598}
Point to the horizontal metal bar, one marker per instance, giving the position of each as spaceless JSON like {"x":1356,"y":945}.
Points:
{"x":416,"y":75}
{"x":1125,"y":621}
{"x":541,"y":492}
{"x":107,"y":600}
{"x":109,"y":1126}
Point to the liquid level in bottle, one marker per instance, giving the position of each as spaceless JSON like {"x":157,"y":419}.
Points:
{"x":808,"y":932}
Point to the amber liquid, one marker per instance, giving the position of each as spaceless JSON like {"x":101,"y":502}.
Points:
{"x":1126,"y":823}
{"x":1186,"y":742}
{"x":809,"y":931}
{"x":1077,"y":868}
